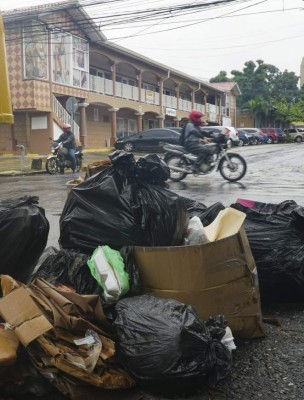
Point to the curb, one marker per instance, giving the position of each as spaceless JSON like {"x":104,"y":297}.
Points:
{"x":13,"y":170}
{"x":20,"y":173}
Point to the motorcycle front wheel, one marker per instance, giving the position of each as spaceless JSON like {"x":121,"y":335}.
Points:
{"x":233,"y":169}
{"x":52,"y":166}
{"x":78,"y":166}
{"x":176,"y":161}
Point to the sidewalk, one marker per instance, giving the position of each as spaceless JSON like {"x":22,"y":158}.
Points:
{"x":12,"y":165}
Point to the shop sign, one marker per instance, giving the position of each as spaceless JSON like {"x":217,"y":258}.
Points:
{"x":171,"y":112}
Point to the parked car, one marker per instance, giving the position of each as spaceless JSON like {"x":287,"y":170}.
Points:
{"x":243,"y":137}
{"x":255,"y":135}
{"x":271,"y":133}
{"x":230,"y":131}
{"x":281,"y":135}
{"x":149,"y":140}
{"x":295,"y":134}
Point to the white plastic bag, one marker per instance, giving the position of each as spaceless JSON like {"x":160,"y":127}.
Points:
{"x":228,"y":341}
{"x":195,"y":232}
{"x":107,"y":267}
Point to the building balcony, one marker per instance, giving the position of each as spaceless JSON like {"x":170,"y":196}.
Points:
{"x":128,"y":92}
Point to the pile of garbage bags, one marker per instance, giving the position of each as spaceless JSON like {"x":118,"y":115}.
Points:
{"x":76,"y":315}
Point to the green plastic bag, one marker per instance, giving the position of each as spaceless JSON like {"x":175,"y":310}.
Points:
{"x":108,"y":268}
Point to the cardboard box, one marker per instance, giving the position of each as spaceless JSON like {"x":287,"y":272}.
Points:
{"x":19,"y":310}
{"x":215,"y":278}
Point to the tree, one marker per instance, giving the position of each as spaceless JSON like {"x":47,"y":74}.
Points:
{"x":285,"y":86}
{"x":221,"y":77}
{"x":271,"y":96}
{"x":259,"y":110}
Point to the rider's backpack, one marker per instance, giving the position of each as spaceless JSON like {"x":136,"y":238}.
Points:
{"x":182,"y":136}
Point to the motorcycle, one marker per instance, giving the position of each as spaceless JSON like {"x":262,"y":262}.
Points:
{"x":59,"y":159}
{"x":231,"y":166}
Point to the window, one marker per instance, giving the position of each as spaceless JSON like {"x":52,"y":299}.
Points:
{"x":148,"y":134}
{"x":70,"y":60}
{"x":151,"y":123}
{"x":125,"y":80}
{"x":80,"y":54}
{"x":131,"y":126}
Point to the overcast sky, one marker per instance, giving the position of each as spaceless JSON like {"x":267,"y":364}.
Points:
{"x":207,"y":40}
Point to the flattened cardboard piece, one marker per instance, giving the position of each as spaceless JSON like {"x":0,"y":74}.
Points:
{"x":227,"y":223}
{"x":20,"y":311}
{"x":71,"y":311}
{"x":215,"y":278}
{"x":8,"y":284}
{"x":9,"y":344}
{"x":109,"y":378}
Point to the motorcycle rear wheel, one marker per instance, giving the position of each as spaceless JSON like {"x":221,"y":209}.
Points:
{"x":176,"y":161}
{"x":52,"y":166}
{"x":235,"y":169}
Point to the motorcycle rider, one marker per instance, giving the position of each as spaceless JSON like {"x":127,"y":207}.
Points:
{"x":67,"y":139}
{"x":194,"y":137}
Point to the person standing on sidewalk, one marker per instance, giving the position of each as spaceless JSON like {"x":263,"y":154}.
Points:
{"x":67,"y":139}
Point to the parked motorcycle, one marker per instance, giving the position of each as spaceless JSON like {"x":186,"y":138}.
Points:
{"x":231,"y":166}
{"x":59,"y":159}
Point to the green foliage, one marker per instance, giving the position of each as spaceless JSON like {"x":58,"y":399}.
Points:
{"x":221,"y":77}
{"x":273,"y":97}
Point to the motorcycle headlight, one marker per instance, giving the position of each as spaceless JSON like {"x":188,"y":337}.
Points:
{"x":53,"y":151}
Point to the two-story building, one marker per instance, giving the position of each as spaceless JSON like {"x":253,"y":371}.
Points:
{"x":63,"y":69}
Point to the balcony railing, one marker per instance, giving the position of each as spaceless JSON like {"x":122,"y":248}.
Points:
{"x":101,"y":85}
{"x":170,"y":101}
{"x":122,"y":90}
{"x":126,"y":91}
{"x":150,"y":97}
{"x":185,"y":105}
{"x":200,"y":107}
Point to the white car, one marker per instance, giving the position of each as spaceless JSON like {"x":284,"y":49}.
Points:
{"x":230,"y":131}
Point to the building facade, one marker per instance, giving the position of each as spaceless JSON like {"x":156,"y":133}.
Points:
{"x":62,"y":69}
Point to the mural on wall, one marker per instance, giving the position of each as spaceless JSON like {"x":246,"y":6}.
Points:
{"x":70,"y":60}
{"x":61,"y":54}
{"x":35,"y":51}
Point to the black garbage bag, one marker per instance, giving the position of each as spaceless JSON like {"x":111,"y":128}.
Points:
{"x":24,"y":232}
{"x":62,"y":267}
{"x":166,"y":346}
{"x":152,"y":169}
{"x":206,"y":214}
{"x":276,"y":236}
{"x":127,"y":253}
{"x":117,"y":209}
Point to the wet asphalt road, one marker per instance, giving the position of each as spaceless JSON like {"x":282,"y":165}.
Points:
{"x":275,"y":173}
{"x":270,"y":368}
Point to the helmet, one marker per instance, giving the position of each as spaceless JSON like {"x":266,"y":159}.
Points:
{"x":195,"y":117}
{"x":66,"y":126}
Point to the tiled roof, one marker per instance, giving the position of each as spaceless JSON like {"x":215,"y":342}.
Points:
{"x":72,"y":7}
{"x":227,"y":87}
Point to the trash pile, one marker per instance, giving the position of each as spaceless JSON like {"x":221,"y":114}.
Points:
{"x":147,"y":290}
{"x":275,"y":233}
